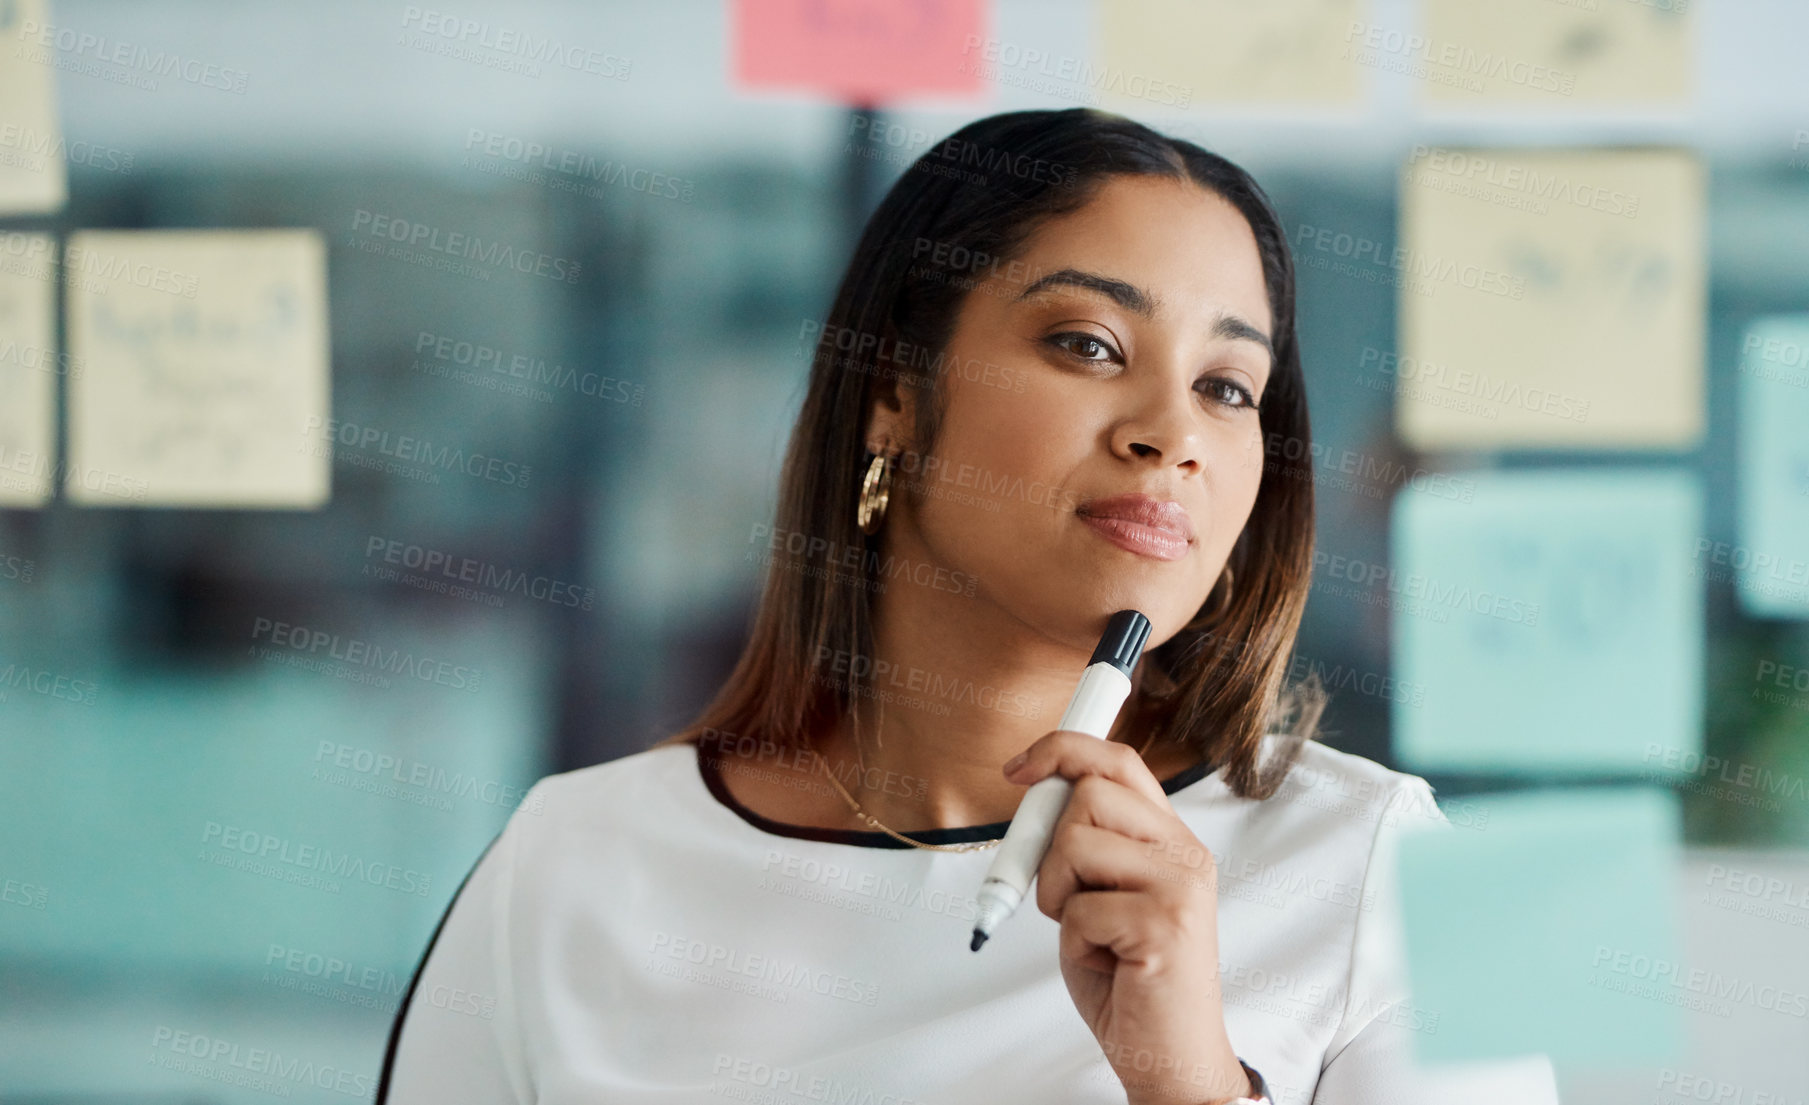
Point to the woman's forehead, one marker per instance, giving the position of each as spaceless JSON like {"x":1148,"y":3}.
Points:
{"x":1158,"y":247}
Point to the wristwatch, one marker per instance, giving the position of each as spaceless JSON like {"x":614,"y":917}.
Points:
{"x":1258,"y":1088}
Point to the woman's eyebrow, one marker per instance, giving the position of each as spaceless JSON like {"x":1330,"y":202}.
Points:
{"x":1142,"y":303}
{"x":1125,"y":294}
{"x":1228,"y":325}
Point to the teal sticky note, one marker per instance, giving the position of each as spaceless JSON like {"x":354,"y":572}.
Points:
{"x":1549,"y":928}
{"x":1770,"y":564}
{"x":1553,"y":621}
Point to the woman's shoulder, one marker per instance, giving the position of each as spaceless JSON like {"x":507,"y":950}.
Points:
{"x":1319,"y":769}
{"x":1340,"y":790}
{"x":1319,"y":834}
{"x":633,"y":789}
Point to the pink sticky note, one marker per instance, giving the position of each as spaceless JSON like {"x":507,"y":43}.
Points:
{"x":863,"y":51}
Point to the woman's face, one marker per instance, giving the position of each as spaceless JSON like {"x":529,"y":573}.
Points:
{"x":1119,"y":356}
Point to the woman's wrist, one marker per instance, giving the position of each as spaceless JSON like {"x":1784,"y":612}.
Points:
{"x":1257,"y":1092}
{"x":1240,"y":1084}
{"x":1254,"y":1092}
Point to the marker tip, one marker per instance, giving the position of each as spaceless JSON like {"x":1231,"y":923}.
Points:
{"x":979,"y":938}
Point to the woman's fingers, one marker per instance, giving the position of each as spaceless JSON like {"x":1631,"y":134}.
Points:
{"x":1106,"y":929}
{"x":1087,"y":857}
{"x":1070,"y":754}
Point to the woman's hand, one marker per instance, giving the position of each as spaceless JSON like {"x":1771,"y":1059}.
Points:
{"x":1136,"y":894}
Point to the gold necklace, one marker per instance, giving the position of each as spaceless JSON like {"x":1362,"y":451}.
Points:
{"x":970,"y":846}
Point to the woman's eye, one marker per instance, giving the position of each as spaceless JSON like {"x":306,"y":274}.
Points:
{"x":1084,"y":346}
{"x":1231,"y":393}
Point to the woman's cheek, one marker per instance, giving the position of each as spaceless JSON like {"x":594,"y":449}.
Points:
{"x":1250,"y":454}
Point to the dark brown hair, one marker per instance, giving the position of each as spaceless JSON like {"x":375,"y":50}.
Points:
{"x":977,"y":197}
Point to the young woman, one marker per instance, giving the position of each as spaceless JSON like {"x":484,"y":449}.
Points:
{"x":1047,"y":390}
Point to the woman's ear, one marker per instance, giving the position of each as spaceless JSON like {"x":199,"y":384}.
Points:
{"x":892,"y":409}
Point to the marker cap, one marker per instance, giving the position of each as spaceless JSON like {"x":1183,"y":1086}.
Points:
{"x":1122,"y":642}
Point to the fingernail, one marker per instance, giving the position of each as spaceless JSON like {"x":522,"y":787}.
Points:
{"x":1016,"y":762}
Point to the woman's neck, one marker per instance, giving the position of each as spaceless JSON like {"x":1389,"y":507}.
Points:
{"x":945,"y":704}
{"x":896,"y":783}
{"x":948,"y":703}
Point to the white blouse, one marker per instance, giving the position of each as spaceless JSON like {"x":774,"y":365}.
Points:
{"x":636,"y":935}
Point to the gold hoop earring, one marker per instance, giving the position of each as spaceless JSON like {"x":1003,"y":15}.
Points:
{"x":876,"y":493}
{"x":1207,"y":621}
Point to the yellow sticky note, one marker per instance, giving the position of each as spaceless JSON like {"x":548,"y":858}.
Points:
{"x":1176,"y":53}
{"x":1551,"y":299}
{"x":33,"y":179}
{"x":205,"y":365}
{"x":29,"y":365}
{"x":1559,"y":52}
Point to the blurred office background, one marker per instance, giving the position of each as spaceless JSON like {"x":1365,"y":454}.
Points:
{"x":170,"y":673}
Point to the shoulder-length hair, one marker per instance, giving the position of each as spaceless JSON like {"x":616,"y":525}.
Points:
{"x":972,"y":202}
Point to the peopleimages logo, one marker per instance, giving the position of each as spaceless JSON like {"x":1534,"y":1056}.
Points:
{"x":112,"y":268}
{"x":833,"y":876}
{"x":1473,"y":382}
{"x":47,"y":683}
{"x":859,"y":560}
{"x":1448,"y":62}
{"x":490,"y":359}
{"x":327,"y":968}
{"x":1667,"y":977}
{"x":354,"y":653}
{"x":787,"y":976}
{"x":417,"y":235}
{"x":775,"y":1080}
{"x":568,"y":170}
{"x":465,"y":569}
{"x":1415,"y":265}
{"x":522,"y":46}
{"x":257,"y":1068}
{"x":416,"y":450}
{"x":410,"y":772}
{"x":1046,"y":73}
{"x":1514,"y":177}
{"x":137,"y":63}
{"x":42,"y":146}
{"x":843,"y":667}
{"x":1413,"y":585}
{"x":308,"y":857}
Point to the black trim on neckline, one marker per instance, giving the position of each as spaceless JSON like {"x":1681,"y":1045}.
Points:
{"x":861,"y":838}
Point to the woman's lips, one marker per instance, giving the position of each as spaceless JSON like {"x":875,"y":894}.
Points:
{"x":1140,"y":524}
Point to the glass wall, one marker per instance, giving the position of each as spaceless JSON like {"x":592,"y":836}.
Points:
{"x":549,"y":481}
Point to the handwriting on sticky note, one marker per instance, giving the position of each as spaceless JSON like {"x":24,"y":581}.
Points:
{"x":1562,"y":54}
{"x":1557,"y":299}
{"x":1555,"y":620}
{"x":1177,"y":53}
{"x":206,"y":355}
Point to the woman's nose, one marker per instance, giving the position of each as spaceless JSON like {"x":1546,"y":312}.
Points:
{"x":1163,"y":425}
